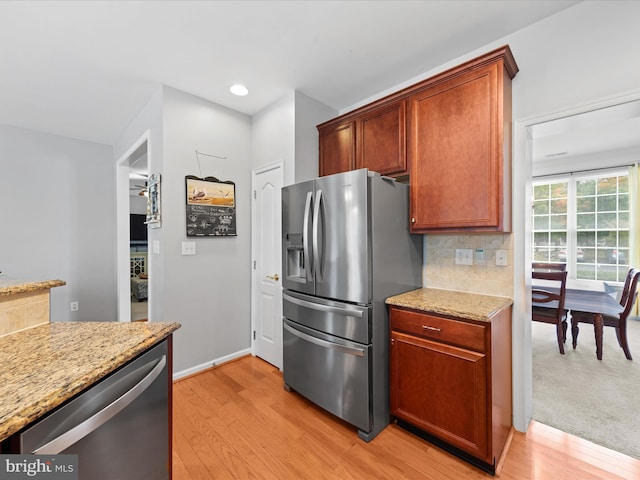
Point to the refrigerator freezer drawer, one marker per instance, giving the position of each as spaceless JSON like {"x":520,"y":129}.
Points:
{"x":332,"y":373}
{"x":335,"y":318}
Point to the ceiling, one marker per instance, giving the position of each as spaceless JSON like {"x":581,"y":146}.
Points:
{"x":612,"y":129}
{"x":85,"y":69}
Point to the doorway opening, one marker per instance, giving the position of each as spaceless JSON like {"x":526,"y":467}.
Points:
{"x":581,"y":149}
{"x":138,"y":238}
{"x":133,"y":272}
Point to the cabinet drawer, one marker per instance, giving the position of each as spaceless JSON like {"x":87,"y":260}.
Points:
{"x":454,"y":332}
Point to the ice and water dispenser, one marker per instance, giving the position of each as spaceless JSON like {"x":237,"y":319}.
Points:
{"x":295,"y":264}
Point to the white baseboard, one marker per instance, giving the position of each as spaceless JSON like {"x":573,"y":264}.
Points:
{"x":209,"y":364}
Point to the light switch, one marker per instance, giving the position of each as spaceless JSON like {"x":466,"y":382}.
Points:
{"x":188,"y":248}
{"x":156,"y":247}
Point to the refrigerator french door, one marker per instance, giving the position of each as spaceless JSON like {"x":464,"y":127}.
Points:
{"x":346,"y":247}
{"x":328,"y":234}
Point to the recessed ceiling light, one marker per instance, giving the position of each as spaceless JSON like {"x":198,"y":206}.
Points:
{"x":239,"y":90}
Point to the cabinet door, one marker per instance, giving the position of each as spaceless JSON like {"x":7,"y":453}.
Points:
{"x":337,"y":148}
{"x":456,"y":152}
{"x":442,"y":390}
{"x":382,"y":140}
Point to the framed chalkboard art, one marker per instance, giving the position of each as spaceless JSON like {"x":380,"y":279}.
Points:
{"x":211,"y":207}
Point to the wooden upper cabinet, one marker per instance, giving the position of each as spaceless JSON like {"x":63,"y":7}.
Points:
{"x":373,"y":138}
{"x":450,"y":132}
{"x":337,"y":148}
{"x":460,"y":148}
{"x":381,"y":144}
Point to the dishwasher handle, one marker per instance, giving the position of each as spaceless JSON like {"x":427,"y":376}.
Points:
{"x":92,"y":423}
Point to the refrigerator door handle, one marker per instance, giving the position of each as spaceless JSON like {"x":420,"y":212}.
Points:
{"x":359,"y":352}
{"x":305,"y":236}
{"x":317,"y":263}
{"x":323,"y":308}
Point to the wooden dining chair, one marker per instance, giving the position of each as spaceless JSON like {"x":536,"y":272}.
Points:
{"x":555,"y":312}
{"x":627,"y":300}
{"x":547,"y":267}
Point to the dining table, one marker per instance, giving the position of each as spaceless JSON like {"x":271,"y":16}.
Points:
{"x":593,"y":302}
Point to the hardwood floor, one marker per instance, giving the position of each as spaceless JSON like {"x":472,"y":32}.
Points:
{"x":237,"y":421}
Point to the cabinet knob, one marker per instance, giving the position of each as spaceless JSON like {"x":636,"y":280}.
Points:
{"x":413,"y":219}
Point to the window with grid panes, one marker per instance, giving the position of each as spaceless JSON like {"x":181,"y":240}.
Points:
{"x":583,"y":221}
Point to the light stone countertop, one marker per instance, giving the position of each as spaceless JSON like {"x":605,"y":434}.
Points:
{"x":472,"y":306}
{"x":13,"y":287}
{"x":44,"y":366}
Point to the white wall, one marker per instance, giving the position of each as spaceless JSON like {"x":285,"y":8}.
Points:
{"x":57,"y":219}
{"x":309,"y":113}
{"x":208,"y":293}
{"x":273,"y":136}
{"x":137,"y":204}
{"x":286,"y":131}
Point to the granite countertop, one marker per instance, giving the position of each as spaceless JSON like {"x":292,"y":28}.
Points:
{"x":472,"y":306}
{"x":44,"y":366}
{"x":12,"y":287}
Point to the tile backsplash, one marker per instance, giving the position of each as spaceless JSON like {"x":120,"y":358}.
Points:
{"x":484,"y":276}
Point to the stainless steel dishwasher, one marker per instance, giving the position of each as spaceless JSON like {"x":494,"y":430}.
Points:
{"x":119,"y":427}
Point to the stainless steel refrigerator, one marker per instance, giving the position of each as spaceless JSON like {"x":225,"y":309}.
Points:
{"x":346,"y":247}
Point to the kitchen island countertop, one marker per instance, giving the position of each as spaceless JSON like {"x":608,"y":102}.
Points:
{"x":473,"y":306}
{"x":14,"y":287}
{"x":44,"y":366}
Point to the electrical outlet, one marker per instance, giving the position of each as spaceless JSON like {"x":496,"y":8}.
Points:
{"x":501,"y":258}
{"x":74,"y":306}
{"x":464,"y":256}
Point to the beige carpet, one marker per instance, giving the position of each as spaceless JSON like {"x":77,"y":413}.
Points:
{"x":596,"y":400}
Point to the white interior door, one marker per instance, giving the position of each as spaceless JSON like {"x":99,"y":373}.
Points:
{"x":267,"y":264}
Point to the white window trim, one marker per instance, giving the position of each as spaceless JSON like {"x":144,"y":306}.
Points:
{"x":572,"y":282}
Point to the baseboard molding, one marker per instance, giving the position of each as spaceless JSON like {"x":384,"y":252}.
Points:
{"x":212,"y":363}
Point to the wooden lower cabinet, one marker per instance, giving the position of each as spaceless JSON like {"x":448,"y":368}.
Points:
{"x":451,"y":378}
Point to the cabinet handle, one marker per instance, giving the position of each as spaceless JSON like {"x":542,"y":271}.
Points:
{"x":434,"y":329}
{"x":413,"y":219}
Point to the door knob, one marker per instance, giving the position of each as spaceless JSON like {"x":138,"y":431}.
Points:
{"x":275,"y":277}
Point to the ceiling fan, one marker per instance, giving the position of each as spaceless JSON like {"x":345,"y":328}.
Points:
{"x":143,"y":189}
